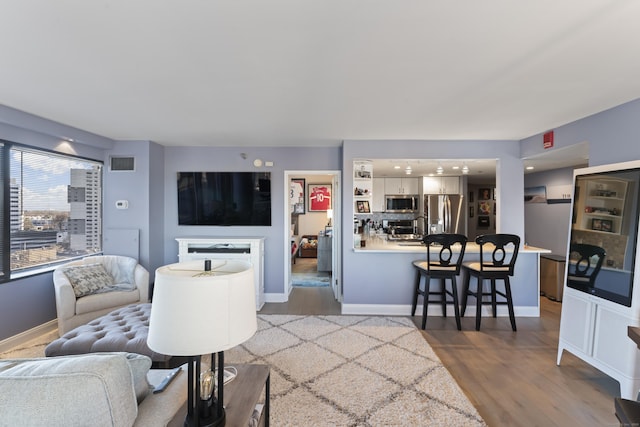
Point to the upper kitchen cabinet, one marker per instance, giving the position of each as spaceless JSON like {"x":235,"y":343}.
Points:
{"x":600,"y":205}
{"x":441,"y":185}
{"x":401,"y":186}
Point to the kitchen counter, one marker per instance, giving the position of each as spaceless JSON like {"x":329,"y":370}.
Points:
{"x":381,"y":244}
{"x":390,"y":290}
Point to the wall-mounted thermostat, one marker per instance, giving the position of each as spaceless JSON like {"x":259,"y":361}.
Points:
{"x":122,"y":204}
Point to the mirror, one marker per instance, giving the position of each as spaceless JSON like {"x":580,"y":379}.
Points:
{"x":604,"y":230}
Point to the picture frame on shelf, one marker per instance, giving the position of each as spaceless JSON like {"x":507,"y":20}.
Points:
{"x":362,"y":170}
{"x":297,"y":196}
{"x":596,"y":224}
{"x":606,"y":225}
{"x":319,"y":197}
{"x":363,"y":206}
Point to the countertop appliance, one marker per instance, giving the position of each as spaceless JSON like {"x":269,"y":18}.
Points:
{"x":443,"y":212}
{"x":400,"y":226}
{"x":401,"y":203}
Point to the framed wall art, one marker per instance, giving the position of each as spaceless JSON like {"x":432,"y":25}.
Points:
{"x":296,"y":195}
{"x":484,"y":208}
{"x":484,"y":194}
{"x":319,"y":197}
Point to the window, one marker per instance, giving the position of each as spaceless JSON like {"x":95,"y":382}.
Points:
{"x":48,"y":216}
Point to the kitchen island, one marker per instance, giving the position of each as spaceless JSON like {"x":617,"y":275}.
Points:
{"x":391,"y":288}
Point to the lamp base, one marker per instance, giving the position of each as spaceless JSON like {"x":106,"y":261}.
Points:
{"x":211,"y":421}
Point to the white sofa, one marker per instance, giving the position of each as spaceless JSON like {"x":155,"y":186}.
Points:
{"x":74,"y":311}
{"x":101,"y":389}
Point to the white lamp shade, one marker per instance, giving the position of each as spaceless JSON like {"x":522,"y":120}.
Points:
{"x":195,"y":312}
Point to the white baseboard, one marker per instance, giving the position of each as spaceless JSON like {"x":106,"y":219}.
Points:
{"x":28,"y":335}
{"x":376,"y":309}
{"x":433,"y":310}
{"x":279,"y":297}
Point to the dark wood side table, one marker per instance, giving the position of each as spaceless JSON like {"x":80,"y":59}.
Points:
{"x":242,"y":394}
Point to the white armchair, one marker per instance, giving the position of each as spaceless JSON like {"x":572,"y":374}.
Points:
{"x":74,"y":311}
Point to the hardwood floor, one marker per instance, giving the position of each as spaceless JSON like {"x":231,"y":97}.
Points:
{"x":510,"y":377}
{"x":306,"y":301}
{"x":309,"y":301}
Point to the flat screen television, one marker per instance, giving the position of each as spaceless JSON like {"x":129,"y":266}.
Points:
{"x":606,"y":209}
{"x":224,"y":198}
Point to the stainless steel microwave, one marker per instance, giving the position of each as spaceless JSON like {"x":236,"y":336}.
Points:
{"x":401,"y":203}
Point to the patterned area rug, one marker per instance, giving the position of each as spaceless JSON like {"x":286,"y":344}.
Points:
{"x":353,"y":371}
{"x":310,"y":280}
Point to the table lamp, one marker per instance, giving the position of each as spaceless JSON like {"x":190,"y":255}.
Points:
{"x":196,"y":312}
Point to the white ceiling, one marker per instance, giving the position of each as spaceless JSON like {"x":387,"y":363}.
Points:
{"x":480,"y":170}
{"x":315,"y":72}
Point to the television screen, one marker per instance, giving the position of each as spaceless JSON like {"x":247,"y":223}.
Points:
{"x":604,"y":231}
{"x":224,"y":198}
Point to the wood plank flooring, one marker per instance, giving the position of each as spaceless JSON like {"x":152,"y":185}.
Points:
{"x":511,"y":377}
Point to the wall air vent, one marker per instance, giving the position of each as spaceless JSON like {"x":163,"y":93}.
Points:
{"x":122,"y":163}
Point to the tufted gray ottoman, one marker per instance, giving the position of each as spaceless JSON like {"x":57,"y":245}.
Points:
{"x":124,"y":329}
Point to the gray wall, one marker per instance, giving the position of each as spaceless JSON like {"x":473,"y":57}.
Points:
{"x":547,"y":225}
{"x":144,"y":189}
{"x":612,"y":135}
{"x":363,"y":274}
{"x":29,"y":302}
{"x":230,"y":159}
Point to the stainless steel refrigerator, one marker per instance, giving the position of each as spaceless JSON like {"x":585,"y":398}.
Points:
{"x":443,"y":213}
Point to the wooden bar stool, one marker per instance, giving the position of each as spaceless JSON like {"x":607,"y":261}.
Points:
{"x":499,"y":266}
{"x":585,"y":262}
{"x":446,"y":266}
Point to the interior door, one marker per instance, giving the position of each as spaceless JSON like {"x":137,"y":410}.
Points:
{"x":336,"y":256}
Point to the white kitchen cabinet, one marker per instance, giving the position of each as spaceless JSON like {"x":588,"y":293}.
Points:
{"x":377,"y":199}
{"x":401,"y":186}
{"x":249,"y":249}
{"x":441,"y":185}
{"x":595,"y":330}
{"x":596,"y":316}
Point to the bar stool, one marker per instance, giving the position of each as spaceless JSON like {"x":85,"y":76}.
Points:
{"x":499,"y":266}
{"x":447,"y":266}
{"x":584,"y":266}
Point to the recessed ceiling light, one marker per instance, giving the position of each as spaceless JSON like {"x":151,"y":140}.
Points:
{"x":465,"y":169}
{"x":529,"y":168}
{"x":455,"y":168}
{"x":396,"y":167}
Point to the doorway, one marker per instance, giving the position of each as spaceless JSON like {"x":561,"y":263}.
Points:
{"x":312,"y":232}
